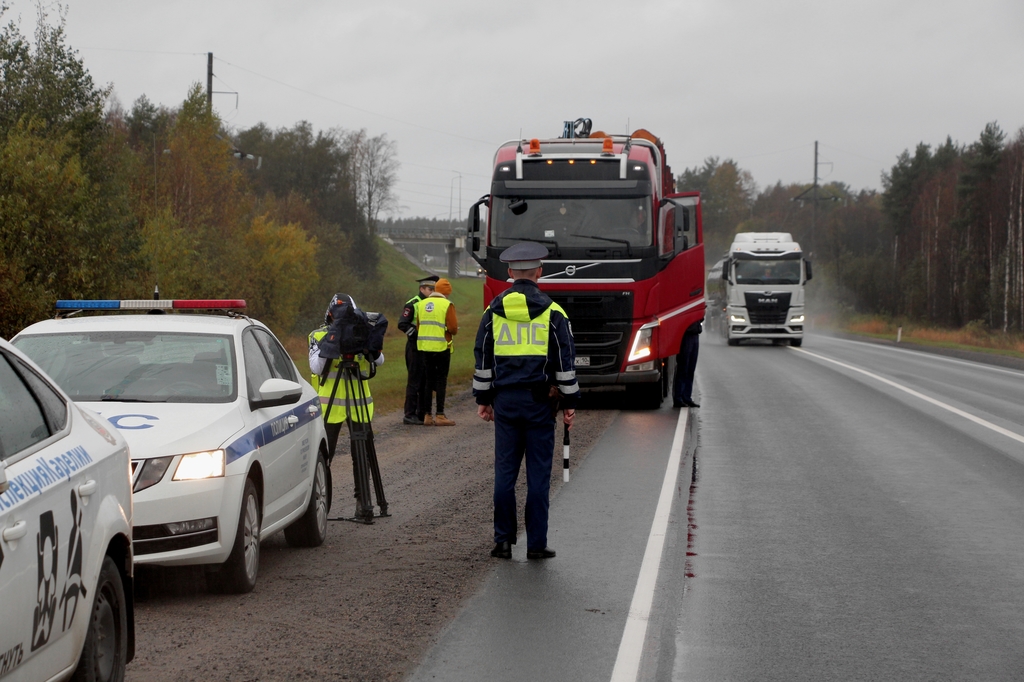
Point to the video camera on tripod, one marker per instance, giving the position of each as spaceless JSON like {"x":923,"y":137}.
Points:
{"x":353,"y":332}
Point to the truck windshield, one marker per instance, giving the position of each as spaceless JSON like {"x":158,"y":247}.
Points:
{"x":573,"y":222}
{"x":768,"y":272}
{"x":137,"y":367}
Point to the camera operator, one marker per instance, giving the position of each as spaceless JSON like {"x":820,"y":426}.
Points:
{"x":327,"y":380}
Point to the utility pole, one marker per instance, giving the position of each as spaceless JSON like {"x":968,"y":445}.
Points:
{"x":814,"y":213}
{"x":209,"y":90}
{"x":813,"y":191}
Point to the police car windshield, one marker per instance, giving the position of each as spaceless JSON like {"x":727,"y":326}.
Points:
{"x":574,"y":222}
{"x":768,"y":272}
{"x":137,"y":366}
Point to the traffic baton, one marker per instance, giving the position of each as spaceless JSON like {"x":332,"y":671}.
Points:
{"x":565,"y":452}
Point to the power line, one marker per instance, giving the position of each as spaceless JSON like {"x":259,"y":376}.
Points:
{"x":445,"y":170}
{"x":859,"y":156}
{"x":424,"y":203}
{"x":352,"y":106}
{"x":119,"y":49}
{"x":780,"y":151}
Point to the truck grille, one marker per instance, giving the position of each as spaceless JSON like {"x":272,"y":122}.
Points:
{"x":767,"y":308}
{"x":601,"y":322}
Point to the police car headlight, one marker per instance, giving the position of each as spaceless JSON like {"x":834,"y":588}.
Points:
{"x":641,"y":344}
{"x":796,"y":319}
{"x":200,"y":465}
{"x":152,"y":470}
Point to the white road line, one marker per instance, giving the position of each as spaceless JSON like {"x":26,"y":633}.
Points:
{"x":936,"y":356}
{"x":966,"y":415}
{"x":627,"y":662}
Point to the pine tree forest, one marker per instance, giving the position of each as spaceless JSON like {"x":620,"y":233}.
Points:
{"x":102,"y":201}
{"x":942,"y":244}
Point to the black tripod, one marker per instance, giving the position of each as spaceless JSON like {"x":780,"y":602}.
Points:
{"x":364,"y":455}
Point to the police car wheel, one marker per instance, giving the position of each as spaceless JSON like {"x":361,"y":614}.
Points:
{"x":310,"y":530}
{"x":796,"y":342}
{"x":105,"y":653}
{"x":238,"y":574}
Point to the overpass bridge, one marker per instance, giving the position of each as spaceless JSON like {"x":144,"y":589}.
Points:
{"x":453,"y":239}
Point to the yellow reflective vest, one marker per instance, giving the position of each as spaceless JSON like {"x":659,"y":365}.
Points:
{"x":430,"y":321}
{"x":518,"y":334}
{"x":343,"y":404}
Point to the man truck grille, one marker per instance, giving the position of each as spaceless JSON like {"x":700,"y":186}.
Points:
{"x":767,"y":308}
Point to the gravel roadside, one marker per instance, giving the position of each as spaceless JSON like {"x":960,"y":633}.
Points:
{"x":368,"y":603}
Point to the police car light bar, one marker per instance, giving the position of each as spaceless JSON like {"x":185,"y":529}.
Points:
{"x":150,"y":304}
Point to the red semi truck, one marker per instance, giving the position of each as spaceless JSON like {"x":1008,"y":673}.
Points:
{"x":625,"y":251}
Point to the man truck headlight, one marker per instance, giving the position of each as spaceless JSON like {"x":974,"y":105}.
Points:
{"x":796,"y":319}
{"x":737,"y":319}
{"x":642,"y":344}
{"x":200,"y":465}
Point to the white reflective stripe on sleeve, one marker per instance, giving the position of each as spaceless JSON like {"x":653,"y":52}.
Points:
{"x":565,"y":376}
{"x":483,"y":373}
{"x":575,"y":388}
{"x":481,"y":385}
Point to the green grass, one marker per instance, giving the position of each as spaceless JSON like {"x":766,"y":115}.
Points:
{"x":397,"y":276}
{"x":972,"y":337}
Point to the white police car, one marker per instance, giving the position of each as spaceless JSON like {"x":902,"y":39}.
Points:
{"x":227,"y":440}
{"x":65,"y":534}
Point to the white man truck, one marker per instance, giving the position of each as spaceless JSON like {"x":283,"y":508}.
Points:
{"x":764,"y":276}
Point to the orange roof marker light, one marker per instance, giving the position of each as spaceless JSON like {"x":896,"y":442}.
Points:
{"x":607,"y":147}
{"x":535,"y":146}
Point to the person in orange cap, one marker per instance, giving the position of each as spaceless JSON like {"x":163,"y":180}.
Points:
{"x":436,"y":324}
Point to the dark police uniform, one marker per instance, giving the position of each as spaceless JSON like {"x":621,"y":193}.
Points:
{"x":686,"y":365}
{"x":523,"y":347}
{"x":412,"y":363}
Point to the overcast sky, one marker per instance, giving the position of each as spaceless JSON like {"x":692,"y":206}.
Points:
{"x":449,"y":81}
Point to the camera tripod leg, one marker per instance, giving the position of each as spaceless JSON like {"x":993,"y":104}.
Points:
{"x":378,"y":485}
{"x":360,"y":471}
{"x":362,"y":442}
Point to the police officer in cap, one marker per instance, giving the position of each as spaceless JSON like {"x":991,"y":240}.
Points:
{"x":412,"y":361}
{"x":524,"y":350}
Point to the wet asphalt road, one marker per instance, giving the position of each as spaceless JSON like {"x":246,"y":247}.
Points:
{"x":838,"y":527}
{"x":850,"y":530}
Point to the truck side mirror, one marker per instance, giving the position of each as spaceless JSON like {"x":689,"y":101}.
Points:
{"x":682,"y":220}
{"x":807,"y":264}
{"x":472,"y":243}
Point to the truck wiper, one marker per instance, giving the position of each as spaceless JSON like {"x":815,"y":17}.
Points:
{"x":629,"y":250}
{"x":558,"y":251}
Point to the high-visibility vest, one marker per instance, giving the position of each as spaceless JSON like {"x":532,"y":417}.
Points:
{"x":343,"y":404}
{"x":430,"y":321}
{"x":519,"y":334}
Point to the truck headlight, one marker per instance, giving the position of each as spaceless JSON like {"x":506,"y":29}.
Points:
{"x":796,"y":319}
{"x":641,"y":344}
{"x":737,"y":319}
{"x":199,"y":465}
